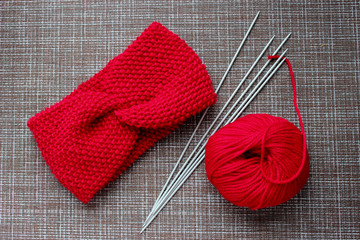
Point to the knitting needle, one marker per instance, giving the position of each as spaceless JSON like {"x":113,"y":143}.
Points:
{"x":275,"y":52}
{"x":183,"y":178}
{"x":207,"y":109}
{"x":224,"y":107}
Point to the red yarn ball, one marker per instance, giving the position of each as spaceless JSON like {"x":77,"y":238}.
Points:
{"x":257,"y":161}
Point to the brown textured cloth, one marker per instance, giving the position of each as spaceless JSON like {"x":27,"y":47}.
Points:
{"x":50,"y":47}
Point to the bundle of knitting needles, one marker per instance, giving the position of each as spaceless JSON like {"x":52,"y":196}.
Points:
{"x":254,"y":86}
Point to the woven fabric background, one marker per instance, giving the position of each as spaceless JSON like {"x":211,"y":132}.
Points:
{"x":49,"y":47}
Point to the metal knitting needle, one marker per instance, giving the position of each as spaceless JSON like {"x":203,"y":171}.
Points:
{"x":221,"y":111}
{"x":192,"y":167}
{"x":207,"y":109}
{"x":197,"y":162}
{"x":275,"y":52}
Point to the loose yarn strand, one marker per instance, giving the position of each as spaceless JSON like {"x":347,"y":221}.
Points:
{"x":301,"y":126}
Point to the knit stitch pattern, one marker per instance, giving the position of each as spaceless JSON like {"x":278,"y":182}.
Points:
{"x":142,"y":95}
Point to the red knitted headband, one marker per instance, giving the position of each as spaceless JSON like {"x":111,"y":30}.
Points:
{"x":97,"y":131}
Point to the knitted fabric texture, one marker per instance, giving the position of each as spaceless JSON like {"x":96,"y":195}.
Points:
{"x":142,"y":95}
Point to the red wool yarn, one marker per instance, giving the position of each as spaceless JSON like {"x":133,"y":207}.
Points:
{"x":259,"y":160}
{"x":142,"y":95}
